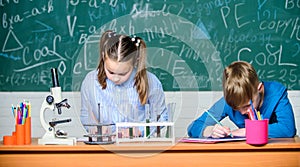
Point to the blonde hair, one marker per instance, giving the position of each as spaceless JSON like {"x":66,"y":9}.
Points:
{"x":123,"y":48}
{"x":240,"y":83}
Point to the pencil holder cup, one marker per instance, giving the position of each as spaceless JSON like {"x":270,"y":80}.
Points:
{"x":28,"y":130}
{"x":256,"y":131}
{"x":14,"y":135}
{"x":8,"y":140}
{"x":20,"y":132}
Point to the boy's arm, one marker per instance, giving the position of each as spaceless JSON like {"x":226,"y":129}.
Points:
{"x":285,"y":125}
{"x":198,"y":126}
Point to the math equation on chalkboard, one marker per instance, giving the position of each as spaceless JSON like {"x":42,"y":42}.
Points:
{"x":188,"y":42}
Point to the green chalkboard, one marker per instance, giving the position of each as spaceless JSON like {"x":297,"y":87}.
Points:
{"x":189,"y":42}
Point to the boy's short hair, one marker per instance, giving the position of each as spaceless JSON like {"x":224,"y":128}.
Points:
{"x":240,"y":83}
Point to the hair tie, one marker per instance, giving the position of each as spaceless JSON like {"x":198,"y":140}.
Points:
{"x":110,"y":34}
{"x":136,"y":41}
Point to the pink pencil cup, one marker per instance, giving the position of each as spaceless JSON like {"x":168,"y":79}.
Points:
{"x":256,"y":131}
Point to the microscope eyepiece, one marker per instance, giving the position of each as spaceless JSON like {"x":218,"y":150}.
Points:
{"x":54,"y":77}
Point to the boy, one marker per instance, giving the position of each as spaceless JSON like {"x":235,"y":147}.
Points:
{"x":240,"y":86}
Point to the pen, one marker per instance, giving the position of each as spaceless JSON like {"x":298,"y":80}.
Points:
{"x":217,"y":121}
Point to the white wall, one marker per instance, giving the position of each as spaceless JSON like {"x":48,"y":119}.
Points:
{"x":189,"y":105}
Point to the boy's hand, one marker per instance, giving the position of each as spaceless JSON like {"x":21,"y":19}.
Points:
{"x":239,"y":132}
{"x":219,"y":131}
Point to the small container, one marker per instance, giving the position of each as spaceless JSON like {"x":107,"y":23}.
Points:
{"x":8,"y":140}
{"x":20,"y":132}
{"x":28,"y":130}
{"x":256,"y":131}
{"x":14,"y":135}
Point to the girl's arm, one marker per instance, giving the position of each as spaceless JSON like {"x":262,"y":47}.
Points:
{"x":84,"y":103}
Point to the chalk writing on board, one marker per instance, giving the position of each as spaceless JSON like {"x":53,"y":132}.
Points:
{"x":186,"y":41}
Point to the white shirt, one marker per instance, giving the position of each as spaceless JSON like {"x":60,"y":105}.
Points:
{"x":113,"y":101}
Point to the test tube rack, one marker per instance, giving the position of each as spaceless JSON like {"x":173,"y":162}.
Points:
{"x":146,"y":138}
{"x":100,"y":138}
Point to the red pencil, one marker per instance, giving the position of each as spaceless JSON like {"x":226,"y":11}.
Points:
{"x":250,"y":114}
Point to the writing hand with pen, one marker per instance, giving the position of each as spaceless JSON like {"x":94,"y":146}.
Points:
{"x":219,"y":131}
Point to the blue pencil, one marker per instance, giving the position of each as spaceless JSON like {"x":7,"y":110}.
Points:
{"x":218,"y":122}
{"x":13,"y":110}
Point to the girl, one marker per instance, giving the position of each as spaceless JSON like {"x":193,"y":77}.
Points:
{"x":120,"y":80}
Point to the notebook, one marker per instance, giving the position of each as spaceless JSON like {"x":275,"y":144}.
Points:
{"x":211,"y":140}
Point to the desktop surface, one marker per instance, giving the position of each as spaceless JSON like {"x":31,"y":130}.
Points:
{"x":278,"y":152}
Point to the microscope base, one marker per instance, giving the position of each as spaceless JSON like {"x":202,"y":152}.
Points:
{"x":57,"y":141}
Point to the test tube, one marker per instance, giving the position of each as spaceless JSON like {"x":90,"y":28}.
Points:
{"x":170,"y":109}
{"x":158,"y":127}
{"x":135,"y":114}
{"x":99,"y":126}
{"x":147,"y":120}
{"x":130,"y":119}
{"x":107,"y":121}
{"x":117,"y":119}
{"x":155,"y":117}
{"x":127,"y":111}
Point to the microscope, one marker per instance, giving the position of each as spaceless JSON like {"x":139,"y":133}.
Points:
{"x":54,"y":136}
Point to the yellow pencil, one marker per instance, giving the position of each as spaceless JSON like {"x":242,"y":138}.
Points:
{"x":258,"y":115}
